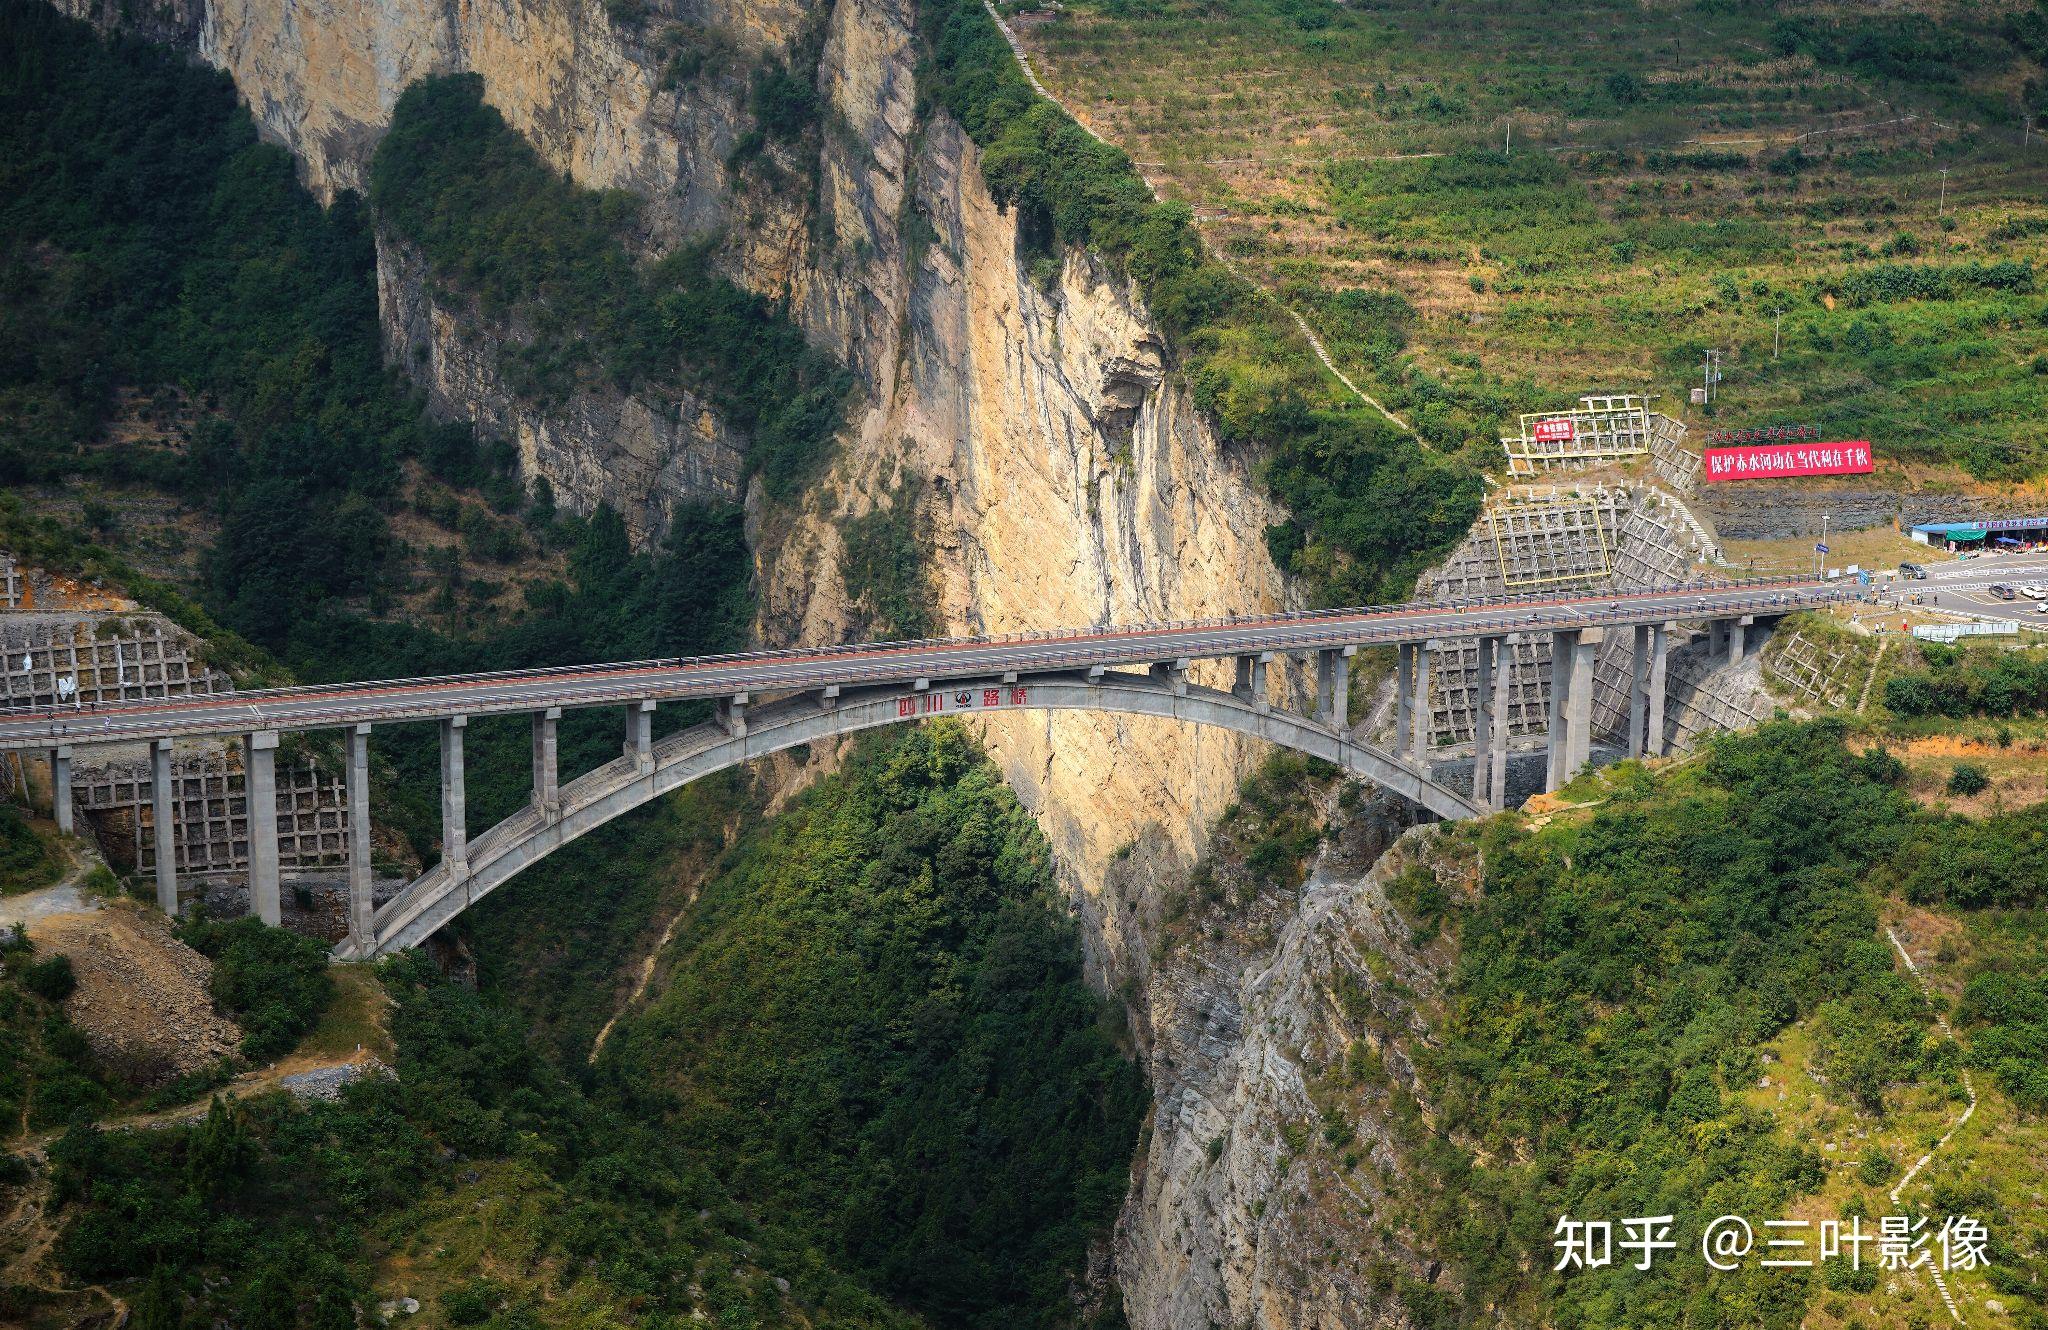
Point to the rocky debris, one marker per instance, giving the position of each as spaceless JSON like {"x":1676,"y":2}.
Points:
{"x":325,"y":1083}
{"x":142,"y":1001}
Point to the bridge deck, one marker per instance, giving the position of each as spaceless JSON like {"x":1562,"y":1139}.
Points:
{"x":385,"y":701}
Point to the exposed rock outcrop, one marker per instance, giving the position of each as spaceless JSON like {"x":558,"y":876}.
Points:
{"x":642,"y":454}
{"x":1284,"y":1033}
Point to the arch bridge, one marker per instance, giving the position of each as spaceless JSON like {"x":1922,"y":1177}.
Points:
{"x":769,"y":701}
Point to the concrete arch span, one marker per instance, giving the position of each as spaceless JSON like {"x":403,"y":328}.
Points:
{"x":595,"y":798}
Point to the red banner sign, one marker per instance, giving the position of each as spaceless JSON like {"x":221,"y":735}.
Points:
{"x":1848,"y":458}
{"x":1558,"y":429}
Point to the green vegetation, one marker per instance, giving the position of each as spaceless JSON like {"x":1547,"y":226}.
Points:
{"x":47,"y":1074}
{"x":1616,"y":982}
{"x":873,"y":1073}
{"x":2009,"y":1016}
{"x":27,"y":860}
{"x":882,"y":975}
{"x":1956,"y":682}
{"x":885,"y":565}
{"x":1370,"y":509}
{"x":503,"y":229}
{"x":1542,"y":201}
{"x":274,"y":982}
{"x":270,"y":1213}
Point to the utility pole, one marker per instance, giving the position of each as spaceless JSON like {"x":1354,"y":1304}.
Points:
{"x":1777,"y":329}
{"x":1710,"y":373}
{"x":1942,"y":211}
{"x":1820,"y":547}
{"x":1509,"y":145}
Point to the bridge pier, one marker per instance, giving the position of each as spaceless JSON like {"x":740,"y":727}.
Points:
{"x":1490,"y":722}
{"x":1579,"y":706}
{"x":640,"y":733}
{"x":454,"y":800}
{"x":1421,"y":735}
{"x":1560,"y":683}
{"x":1173,"y":673}
{"x":1251,"y":680}
{"x":1660,"y":649}
{"x":259,"y":756}
{"x":828,"y":697}
{"x":362,"y":902}
{"x":60,"y":788}
{"x":732,"y":711}
{"x":1333,"y":687}
{"x":1482,"y":723}
{"x":1737,"y":637}
{"x":547,"y":793}
{"x":1503,"y":718}
{"x":1639,"y":690}
{"x":160,"y":813}
{"x":1404,"y":696}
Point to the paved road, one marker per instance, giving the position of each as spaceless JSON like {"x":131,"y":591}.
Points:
{"x":329,"y":706}
{"x":1963,"y":585}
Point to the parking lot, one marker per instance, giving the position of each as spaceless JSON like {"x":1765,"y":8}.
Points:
{"x":1964,"y":586}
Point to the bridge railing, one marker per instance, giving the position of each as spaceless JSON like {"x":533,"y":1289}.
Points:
{"x":1569,"y":608}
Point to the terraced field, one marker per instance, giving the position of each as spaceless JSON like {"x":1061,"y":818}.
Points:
{"x":1485,"y":205}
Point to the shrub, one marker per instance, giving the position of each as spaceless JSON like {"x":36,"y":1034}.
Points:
{"x":1967,"y":779}
{"x":273,"y":981}
{"x":50,"y":978}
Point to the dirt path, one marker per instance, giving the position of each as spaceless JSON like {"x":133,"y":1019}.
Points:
{"x":67,"y":895}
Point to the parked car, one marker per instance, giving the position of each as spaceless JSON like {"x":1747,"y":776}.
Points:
{"x":2034,"y":591}
{"x":1914,"y":571}
{"x":2004,"y":591}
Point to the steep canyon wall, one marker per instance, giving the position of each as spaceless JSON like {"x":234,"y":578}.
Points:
{"x":1066,"y":477}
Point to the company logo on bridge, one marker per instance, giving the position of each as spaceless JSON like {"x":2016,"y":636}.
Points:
{"x":964,"y":699}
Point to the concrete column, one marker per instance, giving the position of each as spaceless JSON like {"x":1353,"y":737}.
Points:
{"x":1717,"y":637}
{"x":362,"y":900}
{"x":260,"y":791}
{"x":1482,"y":722}
{"x":60,"y":788}
{"x":1421,"y":702}
{"x":1639,"y":692}
{"x":640,"y":734}
{"x":547,"y":794}
{"x":1562,"y":644}
{"x":454,"y":799}
{"x":828,"y":697}
{"x":1333,"y":686}
{"x":1653,"y":728}
{"x":1579,"y":746}
{"x":160,"y":809}
{"x":1503,"y":676}
{"x":1738,"y":638}
{"x":1258,"y":681}
{"x":731,"y":712}
{"x":1404,"y":696}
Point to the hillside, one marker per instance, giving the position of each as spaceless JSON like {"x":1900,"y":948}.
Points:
{"x":1493,"y":207}
{"x":569,"y":331}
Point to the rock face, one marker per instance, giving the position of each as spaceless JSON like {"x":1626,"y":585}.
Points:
{"x":1282,"y":1034}
{"x":642,"y":455}
{"x":1067,"y":479}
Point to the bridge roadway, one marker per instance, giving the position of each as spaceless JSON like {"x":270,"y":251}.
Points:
{"x":329,"y":706}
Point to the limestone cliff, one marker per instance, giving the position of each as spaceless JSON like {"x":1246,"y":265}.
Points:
{"x":1269,"y":1192}
{"x":643,"y":454}
{"x":1069,"y":478}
